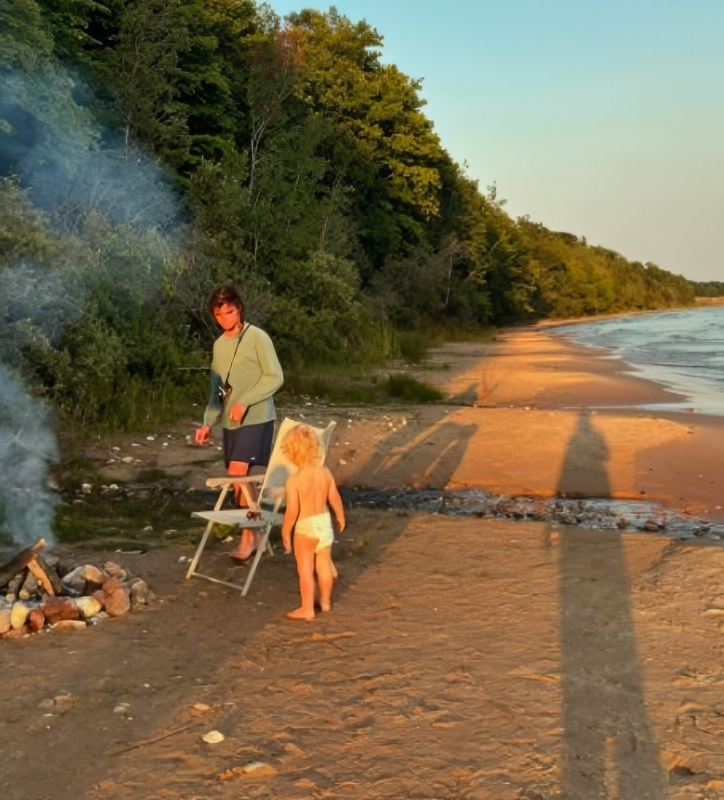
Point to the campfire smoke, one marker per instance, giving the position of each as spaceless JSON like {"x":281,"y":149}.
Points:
{"x":77,"y":174}
{"x":27,"y":447}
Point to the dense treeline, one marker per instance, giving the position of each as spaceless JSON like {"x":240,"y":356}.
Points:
{"x":306,"y":172}
{"x":708,"y":288}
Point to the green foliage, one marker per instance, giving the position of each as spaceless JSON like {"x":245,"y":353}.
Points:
{"x":22,"y":228}
{"x":405,"y":387}
{"x":413,"y":346}
{"x":708,"y":288}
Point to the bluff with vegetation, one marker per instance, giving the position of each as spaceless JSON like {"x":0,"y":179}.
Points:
{"x":154,"y":148}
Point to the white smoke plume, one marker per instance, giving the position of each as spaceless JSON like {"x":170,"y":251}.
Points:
{"x":27,"y":447}
{"x":73,"y":170}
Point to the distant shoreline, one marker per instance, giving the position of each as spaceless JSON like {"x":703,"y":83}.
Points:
{"x":701,"y":302}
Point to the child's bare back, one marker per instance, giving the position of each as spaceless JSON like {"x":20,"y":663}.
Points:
{"x":315,"y":487}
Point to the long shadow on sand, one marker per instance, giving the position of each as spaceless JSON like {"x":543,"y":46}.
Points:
{"x":438,"y":450}
{"x":609,"y":750}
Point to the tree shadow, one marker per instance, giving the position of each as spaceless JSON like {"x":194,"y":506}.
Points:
{"x":424,"y":460}
{"x":609,"y":749}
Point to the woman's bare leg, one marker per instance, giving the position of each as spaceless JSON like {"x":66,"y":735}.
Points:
{"x":249,"y":538}
{"x":325,"y":577}
{"x":304,"y":555}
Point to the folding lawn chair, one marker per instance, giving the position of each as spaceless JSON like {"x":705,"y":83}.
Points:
{"x":271,"y":486}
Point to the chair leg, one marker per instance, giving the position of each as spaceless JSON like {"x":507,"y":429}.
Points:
{"x":257,"y":559}
{"x":200,"y":549}
{"x":209,"y":528}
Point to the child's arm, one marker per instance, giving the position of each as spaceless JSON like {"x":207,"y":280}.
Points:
{"x":290,"y":515}
{"x":335,"y":501}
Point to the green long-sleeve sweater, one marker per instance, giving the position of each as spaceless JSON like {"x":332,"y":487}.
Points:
{"x":255,"y":375}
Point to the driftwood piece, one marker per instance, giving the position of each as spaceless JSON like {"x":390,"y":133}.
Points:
{"x":51,"y":574}
{"x":39,"y":574}
{"x":19,"y":562}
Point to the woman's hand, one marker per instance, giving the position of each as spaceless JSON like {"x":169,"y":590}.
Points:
{"x":201,"y":435}
{"x":236,"y":412}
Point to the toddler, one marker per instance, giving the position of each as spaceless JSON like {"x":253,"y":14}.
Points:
{"x":308,"y":493}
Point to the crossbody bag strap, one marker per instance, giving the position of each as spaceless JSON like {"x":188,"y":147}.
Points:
{"x":231,"y":363}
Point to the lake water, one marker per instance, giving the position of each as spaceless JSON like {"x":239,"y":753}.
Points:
{"x":684,"y":350}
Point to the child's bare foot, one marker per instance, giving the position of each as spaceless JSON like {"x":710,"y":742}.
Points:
{"x":300,"y":613}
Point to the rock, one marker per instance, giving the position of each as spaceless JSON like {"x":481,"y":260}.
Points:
{"x":118,"y":601}
{"x":75,"y":579}
{"x":140,"y":593}
{"x":65,"y":566}
{"x":29,"y":588}
{"x":213,"y":737}
{"x":18,"y":615}
{"x":100,"y":597}
{"x":60,"y":608}
{"x":14,"y":586}
{"x":115,"y":570}
{"x":36,"y":620}
{"x":4,"y":621}
{"x":650,"y":526}
{"x":111,"y":585}
{"x":88,"y":606}
{"x":64,"y":702}
{"x":10,"y":598}
{"x":94,"y":578}
{"x":17,"y":633}
{"x":69,"y":625}
{"x":52,"y":561}
{"x":99,"y":617}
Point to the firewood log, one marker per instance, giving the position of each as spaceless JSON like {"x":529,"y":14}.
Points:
{"x":51,"y":574}
{"x":39,"y":574}
{"x":22,"y":559}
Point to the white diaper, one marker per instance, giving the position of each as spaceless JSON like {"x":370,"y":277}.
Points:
{"x":317,"y":527}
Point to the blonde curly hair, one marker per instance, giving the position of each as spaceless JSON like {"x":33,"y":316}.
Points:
{"x":302,"y":447}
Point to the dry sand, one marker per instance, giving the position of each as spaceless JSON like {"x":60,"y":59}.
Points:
{"x":464,"y":658}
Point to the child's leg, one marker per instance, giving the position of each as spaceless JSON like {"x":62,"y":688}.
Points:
{"x":304,"y":555}
{"x":325,"y":577}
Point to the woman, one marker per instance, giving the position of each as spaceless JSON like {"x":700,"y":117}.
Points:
{"x":245,"y":374}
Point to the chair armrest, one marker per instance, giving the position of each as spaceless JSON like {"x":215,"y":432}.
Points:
{"x":227,"y":480}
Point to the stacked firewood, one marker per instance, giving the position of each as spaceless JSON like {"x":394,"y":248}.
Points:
{"x":38,"y":592}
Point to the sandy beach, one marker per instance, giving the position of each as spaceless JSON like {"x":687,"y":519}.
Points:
{"x":463,"y":658}
{"x":542,"y":417}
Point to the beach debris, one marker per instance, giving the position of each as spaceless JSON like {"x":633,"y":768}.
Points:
{"x":213,"y":737}
{"x":257,"y":769}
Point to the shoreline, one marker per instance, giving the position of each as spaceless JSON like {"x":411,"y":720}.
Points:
{"x":534,"y":415}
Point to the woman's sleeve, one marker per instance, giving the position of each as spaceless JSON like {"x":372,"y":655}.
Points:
{"x":272,"y":376}
{"x":213,"y":407}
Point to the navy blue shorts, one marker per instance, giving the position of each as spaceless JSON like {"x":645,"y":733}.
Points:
{"x":251,"y":444}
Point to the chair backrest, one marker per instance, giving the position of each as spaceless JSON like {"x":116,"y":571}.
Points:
{"x":280,"y":467}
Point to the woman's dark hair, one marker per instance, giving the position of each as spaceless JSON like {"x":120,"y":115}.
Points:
{"x":223,"y":295}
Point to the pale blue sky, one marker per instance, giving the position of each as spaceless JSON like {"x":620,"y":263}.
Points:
{"x":604,"y":118}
